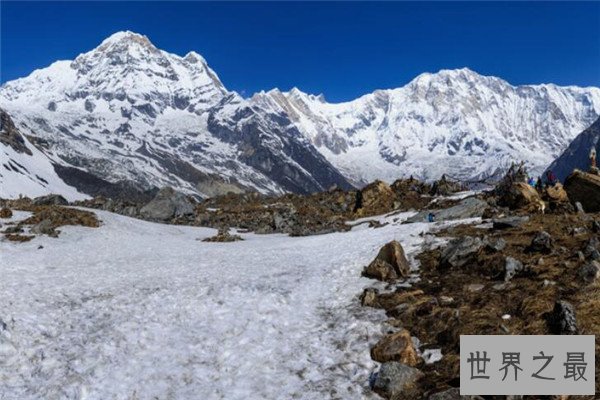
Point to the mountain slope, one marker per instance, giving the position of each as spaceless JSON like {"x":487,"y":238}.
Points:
{"x":25,"y":170}
{"x":127,"y":111}
{"x":577,"y":155}
{"x":456,"y":122}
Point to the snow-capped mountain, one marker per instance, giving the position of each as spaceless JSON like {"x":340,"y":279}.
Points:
{"x":455,"y":122}
{"x":127,"y":111}
{"x":25,"y":169}
{"x":578,"y":153}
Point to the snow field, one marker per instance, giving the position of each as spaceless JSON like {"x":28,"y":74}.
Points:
{"x":136,"y":310}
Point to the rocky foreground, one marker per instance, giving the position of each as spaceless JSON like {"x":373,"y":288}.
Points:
{"x":530,"y":266}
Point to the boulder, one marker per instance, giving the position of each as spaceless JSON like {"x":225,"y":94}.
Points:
{"x":375,"y":198}
{"x":511,"y":267}
{"x":395,"y":378}
{"x":471,"y":207}
{"x":584,"y":188}
{"x":460,"y":251}
{"x":589,"y":272}
{"x":509,"y":222}
{"x":369,"y":297}
{"x":396,"y":347}
{"x":44,"y":227}
{"x":390,"y":263}
{"x":561,"y":320}
{"x":381,"y":271}
{"x":50,"y":200}
{"x":168,"y":204}
{"x":13,"y":229}
{"x":223,"y":236}
{"x":541,"y":242}
{"x":591,"y":249}
{"x":494,"y":244}
{"x":519,"y":195}
{"x":6,"y":213}
{"x":445,"y":187}
{"x":556,"y":193}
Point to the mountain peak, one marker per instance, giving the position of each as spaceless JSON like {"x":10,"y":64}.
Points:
{"x":125,"y":36}
{"x":192,"y":57}
{"x":124,"y":41}
{"x":446,"y":77}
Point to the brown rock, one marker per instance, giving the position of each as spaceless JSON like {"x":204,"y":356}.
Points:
{"x":6,"y":213}
{"x":15,"y":237}
{"x":557,"y":193}
{"x":390,"y":263}
{"x":520,"y":195}
{"x":381,"y":271}
{"x":369,"y":298}
{"x":223,"y":236}
{"x":396,"y":347}
{"x":375,"y":198}
{"x":584,"y":188}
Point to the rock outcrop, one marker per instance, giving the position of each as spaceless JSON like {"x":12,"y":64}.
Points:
{"x":394,"y":378}
{"x":519,"y":195}
{"x":396,"y":347}
{"x":470,"y":207}
{"x":49,"y":200}
{"x":460,"y":251}
{"x":584,"y":188}
{"x":375,"y":198}
{"x":168,"y":204}
{"x":390,"y":263}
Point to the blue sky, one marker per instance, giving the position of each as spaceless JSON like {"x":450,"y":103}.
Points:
{"x":342,"y":50}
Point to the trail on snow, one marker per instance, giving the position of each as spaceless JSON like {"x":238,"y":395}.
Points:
{"x":136,"y":310}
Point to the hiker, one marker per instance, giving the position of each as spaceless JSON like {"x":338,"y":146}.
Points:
{"x":551,"y":179}
{"x":593,"y":167}
{"x":358,"y":202}
{"x":539,"y":185}
{"x":531,"y":182}
{"x":431,"y":217}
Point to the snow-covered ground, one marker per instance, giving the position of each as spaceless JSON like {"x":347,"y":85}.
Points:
{"x":136,"y":310}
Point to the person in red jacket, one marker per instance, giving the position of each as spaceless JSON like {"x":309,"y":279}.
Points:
{"x":551,"y":179}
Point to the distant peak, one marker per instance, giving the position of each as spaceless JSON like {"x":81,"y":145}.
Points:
{"x":193,"y":57}
{"x":299,"y":93}
{"x":126,"y":37}
{"x":445,"y":74}
{"x":459,"y":72}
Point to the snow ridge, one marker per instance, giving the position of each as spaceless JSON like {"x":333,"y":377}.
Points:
{"x":128,"y":111}
{"x":455,"y":122}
